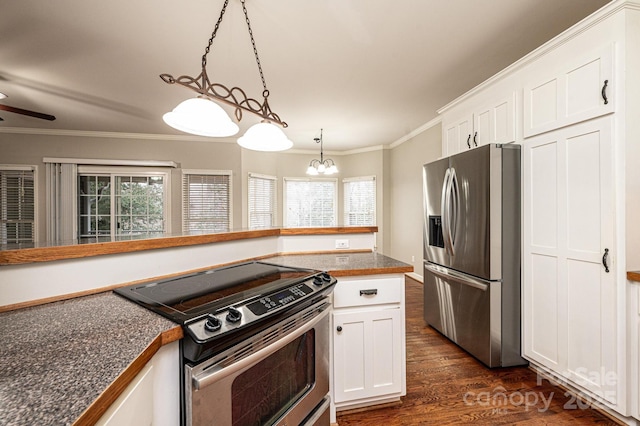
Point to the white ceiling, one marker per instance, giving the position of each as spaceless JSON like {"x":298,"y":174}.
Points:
{"x":366,"y":71}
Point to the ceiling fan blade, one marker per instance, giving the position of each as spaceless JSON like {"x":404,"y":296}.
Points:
{"x":27,"y":112}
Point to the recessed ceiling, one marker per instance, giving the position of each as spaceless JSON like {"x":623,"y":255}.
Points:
{"x":366,"y":71}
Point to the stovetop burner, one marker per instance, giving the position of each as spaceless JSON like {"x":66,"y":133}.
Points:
{"x":219,"y":302}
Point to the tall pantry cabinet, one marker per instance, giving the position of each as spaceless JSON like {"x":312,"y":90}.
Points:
{"x":577,"y":120}
{"x":576,"y":113}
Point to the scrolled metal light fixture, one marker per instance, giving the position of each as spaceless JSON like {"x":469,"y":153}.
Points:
{"x":325,"y":166}
{"x":201,"y":116}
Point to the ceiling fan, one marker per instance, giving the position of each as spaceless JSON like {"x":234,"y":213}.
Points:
{"x":24,"y":111}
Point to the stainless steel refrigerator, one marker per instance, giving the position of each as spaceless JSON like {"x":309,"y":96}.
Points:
{"x":472,"y":251}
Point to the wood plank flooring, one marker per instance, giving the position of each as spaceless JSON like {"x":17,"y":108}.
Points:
{"x":447,"y":386}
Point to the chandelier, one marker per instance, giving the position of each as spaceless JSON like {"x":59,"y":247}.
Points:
{"x":201,"y":116}
{"x":321,"y":166}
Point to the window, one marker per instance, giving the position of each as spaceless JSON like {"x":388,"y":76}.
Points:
{"x":206,"y":201}
{"x":310,"y":203}
{"x":121,"y":202}
{"x":262,"y":201}
{"x":17,"y":204}
{"x":360,"y":201}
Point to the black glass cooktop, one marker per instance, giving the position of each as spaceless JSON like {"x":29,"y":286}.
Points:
{"x":188,"y":296}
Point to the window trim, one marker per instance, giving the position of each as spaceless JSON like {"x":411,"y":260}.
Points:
{"x":115,"y":170}
{"x":345,"y":181}
{"x":302,"y":179}
{"x":275,"y":197}
{"x":34,"y":169}
{"x":207,"y":172}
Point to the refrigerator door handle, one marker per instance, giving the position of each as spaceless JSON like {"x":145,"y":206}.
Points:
{"x":453,"y":214}
{"x":449,"y":275}
{"x":444,"y":210}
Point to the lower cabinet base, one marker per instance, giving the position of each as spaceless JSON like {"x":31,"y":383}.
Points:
{"x":369,"y":405}
{"x":578,"y":398}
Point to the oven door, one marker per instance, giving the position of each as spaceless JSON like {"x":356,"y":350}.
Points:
{"x":279,"y":376}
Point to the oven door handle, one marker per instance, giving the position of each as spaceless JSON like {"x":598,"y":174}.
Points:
{"x":205,"y":378}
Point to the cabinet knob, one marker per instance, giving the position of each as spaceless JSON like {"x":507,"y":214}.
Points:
{"x":339,"y":328}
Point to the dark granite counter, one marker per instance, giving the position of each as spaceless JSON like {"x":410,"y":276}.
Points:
{"x":58,"y":358}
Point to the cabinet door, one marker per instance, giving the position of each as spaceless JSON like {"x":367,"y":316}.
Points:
{"x":367,"y":354}
{"x":569,"y":297}
{"x":135,"y":405}
{"x":495,"y":122}
{"x":457,"y":136}
{"x":581,"y":90}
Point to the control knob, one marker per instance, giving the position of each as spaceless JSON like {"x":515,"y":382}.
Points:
{"x":212,"y":323}
{"x":234,"y":315}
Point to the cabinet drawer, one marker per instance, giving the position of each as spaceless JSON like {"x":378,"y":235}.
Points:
{"x":367,"y":292}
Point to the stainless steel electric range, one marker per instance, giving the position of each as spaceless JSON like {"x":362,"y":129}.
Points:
{"x":256,"y":342}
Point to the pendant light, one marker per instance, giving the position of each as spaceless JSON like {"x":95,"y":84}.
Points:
{"x":325,"y":166}
{"x":202,"y":116}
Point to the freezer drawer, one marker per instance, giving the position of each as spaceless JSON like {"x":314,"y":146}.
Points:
{"x":466,"y":310}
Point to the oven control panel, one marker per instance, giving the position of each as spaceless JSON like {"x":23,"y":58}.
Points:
{"x":222,"y":321}
{"x":274,"y":301}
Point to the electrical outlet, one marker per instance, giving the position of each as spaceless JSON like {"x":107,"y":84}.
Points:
{"x":413,"y":258}
{"x":342,"y":244}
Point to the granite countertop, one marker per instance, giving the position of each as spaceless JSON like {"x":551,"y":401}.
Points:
{"x":345,"y":264}
{"x":633,"y":276}
{"x":58,"y":358}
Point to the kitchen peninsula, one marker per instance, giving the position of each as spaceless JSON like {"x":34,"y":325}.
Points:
{"x":83,"y":372}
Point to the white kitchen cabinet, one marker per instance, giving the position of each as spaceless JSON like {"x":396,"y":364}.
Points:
{"x":368,"y":341}
{"x":456,"y":135}
{"x":581,"y":196}
{"x":569,"y":282}
{"x":492,"y":121}
{"x":152,"y":397}
{"x":581,"y":89}
{"x":367,"y":354}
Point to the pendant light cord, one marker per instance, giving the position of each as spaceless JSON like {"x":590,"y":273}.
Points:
{"x":213,"y":34}
{"x":265,"y":92}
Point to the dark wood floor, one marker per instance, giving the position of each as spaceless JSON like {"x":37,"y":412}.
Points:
{"x":446,"y":386}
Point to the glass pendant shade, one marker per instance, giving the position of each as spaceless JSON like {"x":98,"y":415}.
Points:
{"x":200,"y":116}
{"x":265,"y":136}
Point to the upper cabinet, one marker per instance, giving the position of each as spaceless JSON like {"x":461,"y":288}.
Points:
{"x":492,"y":121}
{"x":577,"y":88}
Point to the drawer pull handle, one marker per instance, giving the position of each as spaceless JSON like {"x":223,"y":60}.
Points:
{"x":370,"y":292}
{"x":604,"y":92}
{"x":605,"y":260}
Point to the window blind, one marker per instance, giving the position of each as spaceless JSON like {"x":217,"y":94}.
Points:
{"x":310,"y":203}
{"x":262,"y":201}
{"x":360,"y":201}
{"x":17,"y":206}
{"x":206,"y":202}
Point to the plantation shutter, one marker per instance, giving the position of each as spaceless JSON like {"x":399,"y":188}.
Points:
{"x":310,"y":203}
{"x":17,"y":205}
{"x":360,"y":201}
{"x":206,"y":202}
{"x":262,"y":201}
